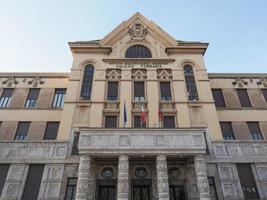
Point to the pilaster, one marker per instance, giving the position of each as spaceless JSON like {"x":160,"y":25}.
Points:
{"x":85,"y":181}
{"x":202,"y":179}
{"x":162,"y":178}
{"x":123,"y":178}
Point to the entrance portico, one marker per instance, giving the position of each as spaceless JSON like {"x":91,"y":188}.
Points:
{"x":143,"y":164}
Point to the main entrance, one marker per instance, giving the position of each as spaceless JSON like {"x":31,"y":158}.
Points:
{"x":177,"y":192}
{"x":141,"y":192}
{"x":106,"y":192}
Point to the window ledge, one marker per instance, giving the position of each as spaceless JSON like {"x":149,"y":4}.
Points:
{"x":195,"y":103}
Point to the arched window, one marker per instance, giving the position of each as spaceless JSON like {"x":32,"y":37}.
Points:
{"x":87,"y":82}
{"x":190,"y":83}
{"x":138,"y":51}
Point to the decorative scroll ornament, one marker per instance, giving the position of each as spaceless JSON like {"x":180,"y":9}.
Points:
{"x":138,"y":31}
{"x":10,"y":81}
{"x":239,"y":82}
{"x":141,"y":172}
{"x":36,"y":81}
{"x":263,"y":82}
{"x":107,"y":172}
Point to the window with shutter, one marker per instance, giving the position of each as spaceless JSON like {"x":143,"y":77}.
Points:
{"x":247,"y":181}
{"x":243,"y":97}
{"x":6,"y":97}
{"x":254,"y":130}
{"x":32,"y":98}
{"x":87,"y":82}
{"x":112,"y":91}
{"x":111,"y":121}
{"x":139,"y":91}
{"x":218,"y":97}
{"x":165,"y":91}
{"x":22,"y":130}
{"x":75,"y":144}
{"x":51,"y":131}
{"x":227,"y":130}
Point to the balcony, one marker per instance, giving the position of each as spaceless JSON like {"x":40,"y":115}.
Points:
{"x":142,"y":141}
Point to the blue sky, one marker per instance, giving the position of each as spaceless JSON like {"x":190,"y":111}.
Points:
{"x":34,"y":33}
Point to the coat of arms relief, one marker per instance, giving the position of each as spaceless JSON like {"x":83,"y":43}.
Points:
{"x":138,"y":31}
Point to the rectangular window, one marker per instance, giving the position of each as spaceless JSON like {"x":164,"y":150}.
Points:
{"x":75,"y":144}
{"x":254,"y":130}
{"x":6,"y":97}
{"x":33,"y":182}
{"x":165,"y":91}
{"x":32,"y":98}
{"x":59,"y":97}
{"x":22,"y":130}
{"x":227,"y":130}
{"x":168,"y":122}
{"x":71,"y":188}
{"x":137,"y":122}
{"x":247,"y":181}
{"x":218,"y":97}
{"x":3,"y":173}
{"x":51,"y":131}
{"x":213,"y":192}
{"x":264,"y":92}
{"x":112,"y":91}
{"x":139,"y":91}
{"x":243,"y":97}
{"x":111,"y":121}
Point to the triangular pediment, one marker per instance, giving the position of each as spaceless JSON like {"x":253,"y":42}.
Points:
{"x":137,"y":27}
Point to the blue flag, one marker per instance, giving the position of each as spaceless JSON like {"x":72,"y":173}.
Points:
{"x":124,"y":115}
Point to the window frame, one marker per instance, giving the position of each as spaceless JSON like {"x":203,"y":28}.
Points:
{"x":46,"y":134}
{"x":73,"y":188}
{"x":89,"y":97}
{"x":174,"y":120}
{"x":133,"y":121}
{"x":138,"y":99}
{"x":241,"y":100}
{"x":62,"y":100}
{"x":107,"y":90}
{"x":232,"y":130}
{"x":222,"y":103}
{"x":171,"y":92}
{"x":255,"y":136}
{"x":5,"y":100}
{"x":134,"y":55}
{"x":32,"y":103}
{"x":19,"y":136}
{"x":187,"y":86}
{"x":111,"y":115}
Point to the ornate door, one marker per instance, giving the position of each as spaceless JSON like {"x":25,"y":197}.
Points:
{"x":177,"y":192}
{"x":106,"y":192}
{"x":141,"y":192}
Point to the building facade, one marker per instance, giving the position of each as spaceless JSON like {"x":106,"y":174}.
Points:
{"x":137,"y":118}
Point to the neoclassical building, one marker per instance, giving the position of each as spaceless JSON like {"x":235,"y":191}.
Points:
{"x":137,"y":118}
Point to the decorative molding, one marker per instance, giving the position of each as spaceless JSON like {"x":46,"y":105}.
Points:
{"x":239,"y":83}
{"x":262,"y":82}
{"x":36,"y":81}
{"x":164,"y":75}
{"x":138,"y":31}
{"x":139,"y":75}
{"x":11,"y":81}
{"x":113,"y":74}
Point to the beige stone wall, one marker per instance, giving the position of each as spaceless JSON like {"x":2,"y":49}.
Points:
{"x":8,"y":130}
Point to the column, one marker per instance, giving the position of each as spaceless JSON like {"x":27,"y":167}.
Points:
{"x":202,"y":179}
{"x":85,"y":180}
{"x":162,"y":178}
{"x":123,"y":178}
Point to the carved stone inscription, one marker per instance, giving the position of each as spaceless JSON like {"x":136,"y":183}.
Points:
{"x":51,"y":182}
{"x":15,"y":181}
